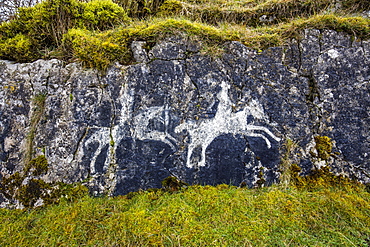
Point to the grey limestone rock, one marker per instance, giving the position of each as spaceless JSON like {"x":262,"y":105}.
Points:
{"x":139,"y":52}
{"x":177,"y":112}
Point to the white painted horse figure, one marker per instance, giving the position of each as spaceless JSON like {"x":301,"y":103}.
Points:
{"x":202,"y":133}
{"x":142,"y":121}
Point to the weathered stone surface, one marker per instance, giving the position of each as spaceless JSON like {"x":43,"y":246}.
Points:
{"x":177,"y":112}
{"x":343,"y":80}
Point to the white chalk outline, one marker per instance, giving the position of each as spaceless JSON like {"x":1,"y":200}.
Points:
{"x":202,"y":133}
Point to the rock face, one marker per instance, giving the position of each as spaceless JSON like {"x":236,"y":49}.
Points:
{"x":177,"y":112}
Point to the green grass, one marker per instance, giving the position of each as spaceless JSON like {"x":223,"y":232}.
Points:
{"x":199,"y":216}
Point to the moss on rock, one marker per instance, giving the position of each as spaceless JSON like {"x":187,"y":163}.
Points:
{"x":320,"y":178}
{"x":35,"y":191}
{"x":323,"y":147}
{"x":173,"y":184}
{"x":37,"y":166}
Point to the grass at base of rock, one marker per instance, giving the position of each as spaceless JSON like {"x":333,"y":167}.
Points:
{"x":199,"y":216}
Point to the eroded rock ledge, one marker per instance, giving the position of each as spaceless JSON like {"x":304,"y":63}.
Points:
{"x":177,"y":112}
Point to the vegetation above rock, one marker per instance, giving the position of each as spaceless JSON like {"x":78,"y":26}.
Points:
{"x":99,"y":32}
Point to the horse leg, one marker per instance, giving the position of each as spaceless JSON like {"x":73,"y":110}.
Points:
{"x":190,"y":152}
{"x":264,"y":129}
{"x":262,"y":136}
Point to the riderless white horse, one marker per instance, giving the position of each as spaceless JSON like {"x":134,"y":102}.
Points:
{"x":142,"y":121}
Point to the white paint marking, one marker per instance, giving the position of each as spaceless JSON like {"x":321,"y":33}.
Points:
{"x":142,"y":121}
{"x":333,"y":53}
{"x":202,"y":133}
